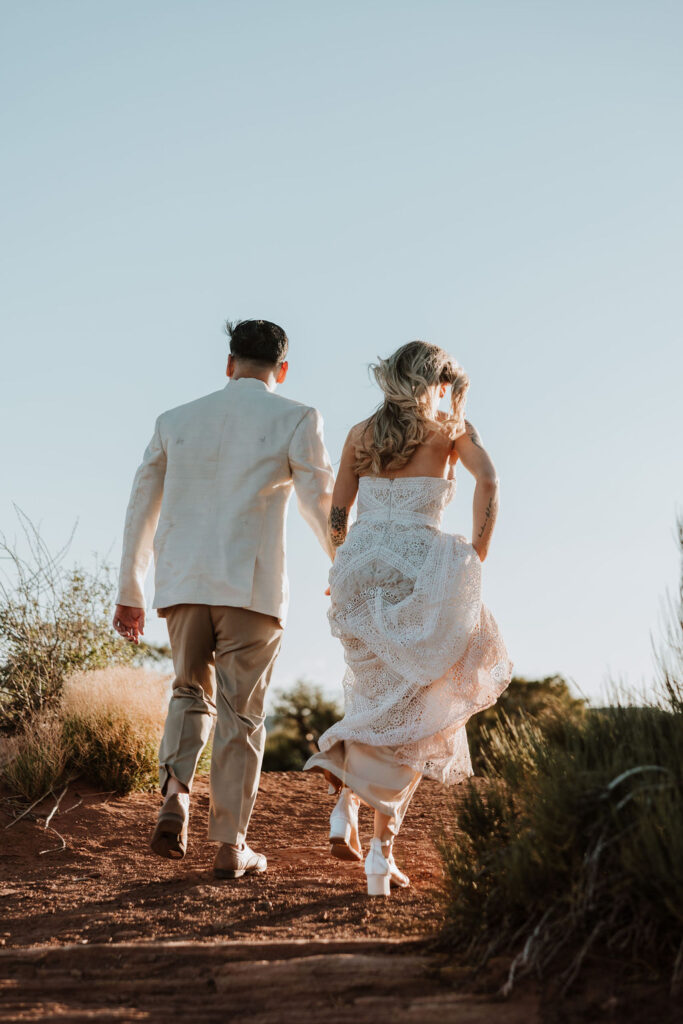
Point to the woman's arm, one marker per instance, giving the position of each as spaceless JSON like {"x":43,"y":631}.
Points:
{"x":476,"y":459}
{"x":344,"y":494}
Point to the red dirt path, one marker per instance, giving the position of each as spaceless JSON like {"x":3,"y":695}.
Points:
{"x":107,"y":886}
{"x":105,"y":931}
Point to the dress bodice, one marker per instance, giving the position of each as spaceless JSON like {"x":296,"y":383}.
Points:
{"x":414,"y":500}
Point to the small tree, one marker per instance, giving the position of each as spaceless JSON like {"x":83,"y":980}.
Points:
{"x":299,"y":718}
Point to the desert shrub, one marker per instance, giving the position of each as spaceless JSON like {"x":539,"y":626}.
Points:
{"x":54,"y":621}
{"x":112,"y":752}
{"x":36,"y":760}
{"x":544,"y":700}
{"x":105,"y":731}
{"x":299,"y":717}
{"x":576,"y":842}
{"x":112,"y":721}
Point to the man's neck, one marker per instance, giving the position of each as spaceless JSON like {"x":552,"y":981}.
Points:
{"x":267,"y":376}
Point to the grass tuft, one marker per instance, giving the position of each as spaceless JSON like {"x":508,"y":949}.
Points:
{"x":36,"y":760}
{"x":106,"y":731}
{"x":576,"y":843}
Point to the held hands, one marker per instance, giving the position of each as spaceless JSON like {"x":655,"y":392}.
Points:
{"x":129,"y":622}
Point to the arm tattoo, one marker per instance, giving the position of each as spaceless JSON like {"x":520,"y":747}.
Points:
{"x":474,"y":436}
{"x":338,"y":524}
{"x":490,"y":513}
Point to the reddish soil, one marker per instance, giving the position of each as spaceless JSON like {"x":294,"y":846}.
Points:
{"x":104,"y":930}
{"x":107,"y":885}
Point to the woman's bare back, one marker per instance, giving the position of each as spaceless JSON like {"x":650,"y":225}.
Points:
{"x":435,"y":457}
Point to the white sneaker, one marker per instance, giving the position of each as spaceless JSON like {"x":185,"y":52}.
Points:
{"x":344,"y":839}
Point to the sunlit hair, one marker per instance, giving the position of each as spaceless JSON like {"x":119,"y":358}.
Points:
{"x":405,"y":418}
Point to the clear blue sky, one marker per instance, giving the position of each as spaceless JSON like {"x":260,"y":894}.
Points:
{"x":503,"y":179}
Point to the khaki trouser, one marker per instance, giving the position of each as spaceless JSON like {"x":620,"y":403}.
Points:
{"x":223,"y":660}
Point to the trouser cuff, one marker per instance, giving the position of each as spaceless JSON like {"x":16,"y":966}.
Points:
{"x":166,"y":772}
{"x":226,"y":835}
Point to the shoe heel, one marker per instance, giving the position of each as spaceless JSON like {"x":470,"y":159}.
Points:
{"x":379,"y":885}
{"x":340,"y":832}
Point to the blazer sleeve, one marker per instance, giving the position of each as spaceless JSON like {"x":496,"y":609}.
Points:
{"x":312,"y":475}
{"x":142,"y":517}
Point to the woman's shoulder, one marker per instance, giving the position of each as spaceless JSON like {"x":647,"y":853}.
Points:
{"x":358,"y":431}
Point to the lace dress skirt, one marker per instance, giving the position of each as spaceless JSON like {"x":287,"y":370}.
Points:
{"x":423,"y":653}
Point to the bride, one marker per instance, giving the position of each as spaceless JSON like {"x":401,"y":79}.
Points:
{"x":423,"y":653}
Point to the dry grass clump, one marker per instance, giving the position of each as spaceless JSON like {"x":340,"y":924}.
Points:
{"x":112,"y":721}
{"x":135,"y":693}
{"x":36,"y":760}
{"x":105,"y":731}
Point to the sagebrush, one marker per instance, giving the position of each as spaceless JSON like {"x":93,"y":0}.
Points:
{"x":55,"y":620}
{"x":575,"y":845}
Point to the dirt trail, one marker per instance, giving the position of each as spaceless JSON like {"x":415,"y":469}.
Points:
{"x":107,"y":886}
{"x":105,"y":931}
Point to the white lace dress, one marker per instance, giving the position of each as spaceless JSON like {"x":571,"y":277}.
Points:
{"x":423,"y":653}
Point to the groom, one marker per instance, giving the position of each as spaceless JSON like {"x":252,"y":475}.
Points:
{"x":209,"y":501}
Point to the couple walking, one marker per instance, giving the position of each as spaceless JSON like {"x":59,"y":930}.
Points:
{"x":423,"y":653}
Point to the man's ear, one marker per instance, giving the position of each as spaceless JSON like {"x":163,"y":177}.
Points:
{"x":282,"y":373}
{"x":230,"y":369}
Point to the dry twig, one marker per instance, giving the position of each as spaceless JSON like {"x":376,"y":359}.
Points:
{"x":54,"y":849}
{"x":24,"y":813}
{"x":56,"y":806}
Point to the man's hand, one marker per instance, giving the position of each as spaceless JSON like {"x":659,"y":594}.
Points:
{"x":129,"y":622}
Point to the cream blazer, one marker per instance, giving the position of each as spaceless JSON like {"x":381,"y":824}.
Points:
{"x":209,"y":500}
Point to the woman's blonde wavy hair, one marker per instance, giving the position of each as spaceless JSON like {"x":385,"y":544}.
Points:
{"x":404,"y":420}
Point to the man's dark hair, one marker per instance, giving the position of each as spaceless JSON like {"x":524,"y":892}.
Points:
{"x":259,"y":341}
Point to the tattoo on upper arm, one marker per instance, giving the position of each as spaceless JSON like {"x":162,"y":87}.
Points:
{"x":473,"y":435}
{"x":338,"y":524}
{"x":489,"y":515}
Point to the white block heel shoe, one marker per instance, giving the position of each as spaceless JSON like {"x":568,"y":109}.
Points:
{"x":344,"y":841}
{"x":377,"y":870}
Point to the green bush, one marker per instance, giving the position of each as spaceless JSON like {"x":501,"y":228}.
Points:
{"x":575,"y":843}
{"x":578,"y":841}
{"x":543,"y":700}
